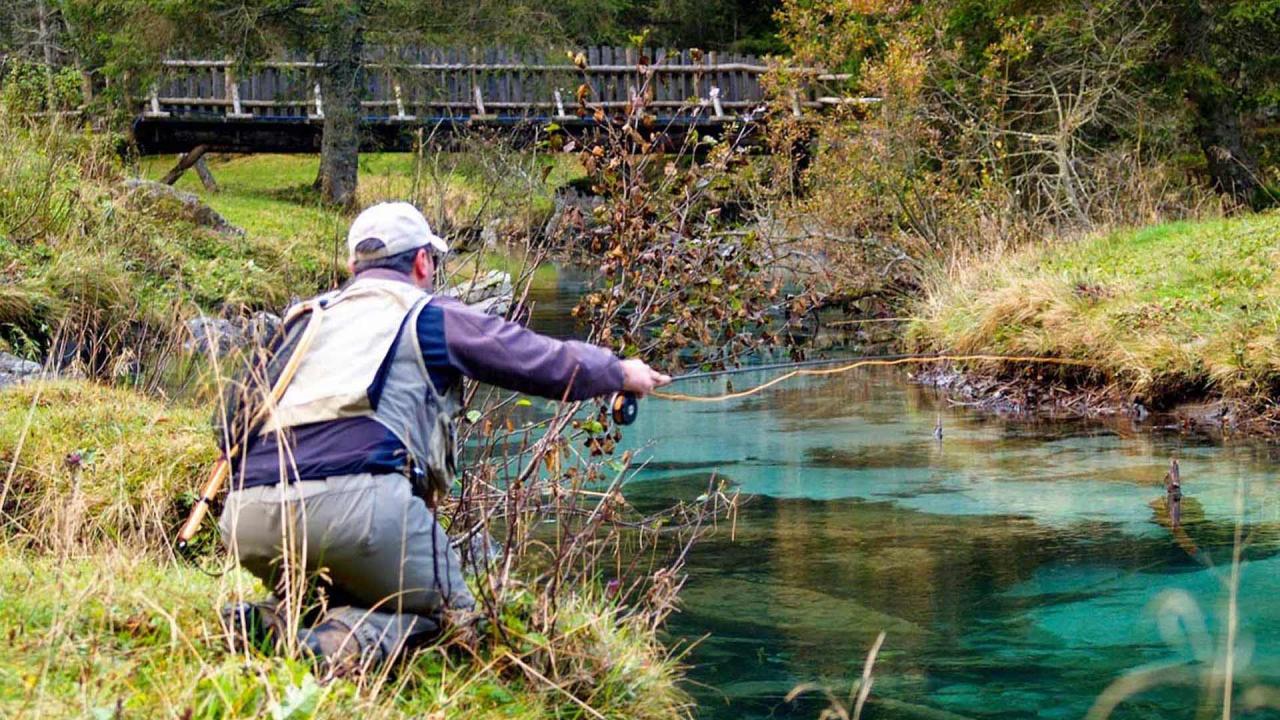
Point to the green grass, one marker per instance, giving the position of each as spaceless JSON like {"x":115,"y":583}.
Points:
{"x":271,"y":195}
{"x":1168,"y":312}
{"x":140,"y":462}
{"x":126,"y":635}
{"x":97,"y":614}
{"x":82,"y":256}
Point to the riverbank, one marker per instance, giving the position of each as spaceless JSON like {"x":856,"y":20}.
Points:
{"x":100,"y":461}
{"x":1180,"y":323}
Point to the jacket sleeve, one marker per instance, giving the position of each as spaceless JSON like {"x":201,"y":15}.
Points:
{"x":509,"y":355}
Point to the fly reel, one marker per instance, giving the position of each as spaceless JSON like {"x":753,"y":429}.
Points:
{"x":623,"y":408}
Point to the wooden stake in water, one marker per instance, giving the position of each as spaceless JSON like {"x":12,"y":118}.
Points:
{"x":1173,"y":494}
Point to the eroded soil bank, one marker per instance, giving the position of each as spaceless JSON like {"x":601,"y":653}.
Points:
{"x":1036,"y":398}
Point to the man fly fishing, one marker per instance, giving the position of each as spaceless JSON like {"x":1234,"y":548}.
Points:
{"x":342,"y":471}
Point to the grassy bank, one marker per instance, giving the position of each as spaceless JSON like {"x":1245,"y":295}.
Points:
{"x":125,"y":635}
{"x":79,"y":248}
{"x":1185,"y":310}
{"x":272,"y":195}
{"x":101,"y":619}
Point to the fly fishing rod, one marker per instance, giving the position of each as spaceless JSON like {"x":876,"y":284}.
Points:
{"x":624,"y":407}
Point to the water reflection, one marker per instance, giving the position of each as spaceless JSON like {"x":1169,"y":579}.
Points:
{"x":1012,"y":564}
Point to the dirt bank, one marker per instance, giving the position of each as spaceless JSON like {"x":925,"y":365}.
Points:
{"x":1033,"y":397}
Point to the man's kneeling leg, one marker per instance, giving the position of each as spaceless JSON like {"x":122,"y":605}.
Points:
{"x":350,"y":638}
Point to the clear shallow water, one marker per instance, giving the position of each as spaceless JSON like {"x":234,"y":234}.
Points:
{"x":1017,"y":569}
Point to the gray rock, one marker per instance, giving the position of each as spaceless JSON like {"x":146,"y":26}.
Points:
{"x":221,"y":335}
{"x":498,"y":305}
{"x":185,"y":205}
{"x":261,"y":326}
{"x":212,"y":334}
{"x":14,"y":369}
{"x":491,"y":285}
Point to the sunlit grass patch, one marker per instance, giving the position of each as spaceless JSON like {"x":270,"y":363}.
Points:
{"x":1166,"y":311}
{"x":271,"y":194}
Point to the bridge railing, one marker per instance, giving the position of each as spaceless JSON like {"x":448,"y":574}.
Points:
{"x":443,"y":83}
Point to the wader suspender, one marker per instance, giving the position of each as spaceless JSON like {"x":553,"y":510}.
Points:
{"x":222,"y":469}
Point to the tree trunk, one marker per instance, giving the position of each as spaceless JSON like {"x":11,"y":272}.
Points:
{"x":46,"y":42}
{"x":341,"y":82}
{"x":1232,"y":167}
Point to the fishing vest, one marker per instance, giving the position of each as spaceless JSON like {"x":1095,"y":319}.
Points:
{"x":369,"y":325}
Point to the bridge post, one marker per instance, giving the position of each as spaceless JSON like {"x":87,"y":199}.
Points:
{"x":155,"y":110}
{"x":560,"y":113}
{"x":231,"y":90}
{"x":400,"y":115}
{"x":715,"y":102}
{"x":319,"y":114}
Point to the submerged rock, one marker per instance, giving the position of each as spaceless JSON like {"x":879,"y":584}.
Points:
{"x":14,"y":369}
{"x":171,"y":202}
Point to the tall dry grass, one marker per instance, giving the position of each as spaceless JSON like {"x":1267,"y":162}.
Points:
{"x":100,"y":465}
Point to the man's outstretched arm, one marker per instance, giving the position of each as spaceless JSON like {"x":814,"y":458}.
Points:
{"x":509,"y":355}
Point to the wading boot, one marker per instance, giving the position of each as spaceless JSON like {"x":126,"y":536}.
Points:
{"x":338,"y":650}
{"x":252,"y":625}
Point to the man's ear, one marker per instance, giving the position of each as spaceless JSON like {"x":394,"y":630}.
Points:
{"x":423,"y":266}
{"x":351,"y":266}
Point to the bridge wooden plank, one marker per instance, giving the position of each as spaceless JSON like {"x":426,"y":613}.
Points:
{"x":593,"y":59}
{"x":514,"y":83}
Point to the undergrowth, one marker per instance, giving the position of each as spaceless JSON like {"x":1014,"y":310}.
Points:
{"x":131,"y":635}
{"x":1177,"y":311}
{"x":100,"y":619}
{"x":77,"y":247}
{"x":103,"y":620}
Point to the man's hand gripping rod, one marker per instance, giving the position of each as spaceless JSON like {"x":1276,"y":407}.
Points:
{"x":222,"y":469}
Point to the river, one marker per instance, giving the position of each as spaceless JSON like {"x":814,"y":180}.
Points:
{"x":1017,"y":567}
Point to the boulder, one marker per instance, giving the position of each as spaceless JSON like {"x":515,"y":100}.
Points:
{"x":491,"y":284}
{"x":496,"y":305}
{"x":14,"y":369}
{"x":222,"y":335}
{"x":212,"y":334}
{"x":171,"y":202}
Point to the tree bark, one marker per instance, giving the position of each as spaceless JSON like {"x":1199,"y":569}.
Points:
{"x":46,"y":42}
{"x":206,"y":176}
{"x":1232,"y":167}
{"x":341,"y":82}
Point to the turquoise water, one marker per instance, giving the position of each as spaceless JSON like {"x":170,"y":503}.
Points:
{"x":1017,"y":569}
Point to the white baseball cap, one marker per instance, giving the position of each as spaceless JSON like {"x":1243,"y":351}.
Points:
{"x":397,"y":225}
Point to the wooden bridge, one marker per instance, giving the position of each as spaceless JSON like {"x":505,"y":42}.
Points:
{"x":277,"y":106}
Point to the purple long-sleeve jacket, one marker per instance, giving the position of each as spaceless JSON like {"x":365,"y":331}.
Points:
{"x":456,"y":341}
